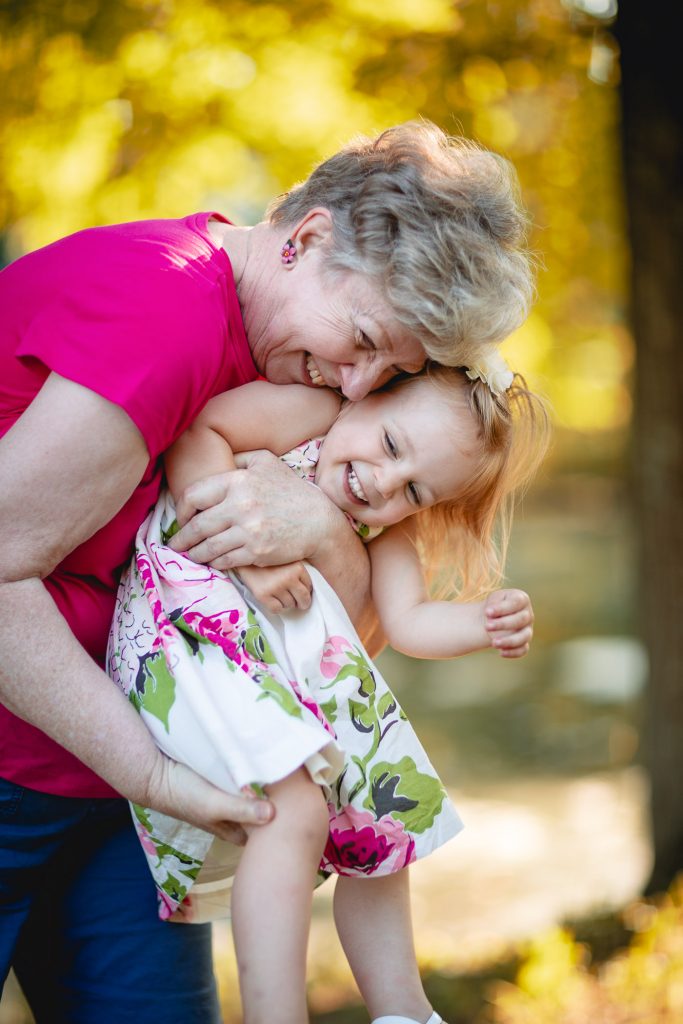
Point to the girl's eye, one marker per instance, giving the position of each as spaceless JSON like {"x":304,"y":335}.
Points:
{"x":414,"y":494}
{"x":390,"y":446}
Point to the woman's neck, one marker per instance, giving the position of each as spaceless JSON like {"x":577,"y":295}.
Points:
{"x":236,"y":241}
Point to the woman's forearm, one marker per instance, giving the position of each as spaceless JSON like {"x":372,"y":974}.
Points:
{"x":48,"y":679}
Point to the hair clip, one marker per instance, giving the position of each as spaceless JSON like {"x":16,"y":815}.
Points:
{"x":493,"y":370}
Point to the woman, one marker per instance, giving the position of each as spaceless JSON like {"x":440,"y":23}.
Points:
{"x":112,"y":341}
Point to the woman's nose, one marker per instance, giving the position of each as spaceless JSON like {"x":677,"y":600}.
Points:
{"x":359,"y":379}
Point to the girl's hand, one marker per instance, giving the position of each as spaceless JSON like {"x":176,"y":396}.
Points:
{"x":509,"y":618}
{"x":279,"y":587}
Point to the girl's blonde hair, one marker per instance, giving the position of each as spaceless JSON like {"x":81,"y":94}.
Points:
{"x":471,"y":532}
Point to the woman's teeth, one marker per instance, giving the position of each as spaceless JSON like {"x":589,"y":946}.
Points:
{"x":314,"y":373}
{"x":355,"y":486}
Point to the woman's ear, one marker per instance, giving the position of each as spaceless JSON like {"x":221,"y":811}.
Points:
{"x":314,"y":230}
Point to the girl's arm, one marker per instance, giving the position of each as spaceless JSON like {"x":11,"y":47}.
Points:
{"x":265,"y":514}
{"x":256,"y":415}
{"x":422,"y":628}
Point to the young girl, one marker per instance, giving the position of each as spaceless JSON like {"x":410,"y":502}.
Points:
{"x":253,"y":699}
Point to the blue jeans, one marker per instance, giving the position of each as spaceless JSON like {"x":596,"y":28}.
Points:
{"x":78,"y":918}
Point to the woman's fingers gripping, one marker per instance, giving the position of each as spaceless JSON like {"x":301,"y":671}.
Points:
{"x":185,"y":795}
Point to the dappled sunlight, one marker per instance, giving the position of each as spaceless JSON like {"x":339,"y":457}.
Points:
{"x":138,"y":112}
{"x":117,"y":112}
{"x":533,"y":853}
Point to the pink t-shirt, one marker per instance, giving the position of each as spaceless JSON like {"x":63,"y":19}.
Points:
{"x":146,"y":315}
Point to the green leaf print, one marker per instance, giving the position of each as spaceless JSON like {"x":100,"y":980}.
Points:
{"x":407,"y":794}
{"x":329,"y":709}
{"x":363,"y":716}
{"x":386,"y":705}
{"x":367,"y":680}
{"x":174,"y":888}
{"x":192,"y":638}
{"x":190,"y":865}
{"x":155,"y":687}
{"x":171,"y":532}
{"x":255,"y":641}
{"x":357,"y":666}
{"x":134,"y":698}
{"x":142,"y":814}
{"x":275,"y":690}
{"x":347,"y":672}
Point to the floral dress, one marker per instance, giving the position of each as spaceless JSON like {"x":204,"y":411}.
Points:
{"x":245,"y":697}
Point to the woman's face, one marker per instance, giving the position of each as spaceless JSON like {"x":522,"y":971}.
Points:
{"x":321,"y":330}
{"x":389,"y":456}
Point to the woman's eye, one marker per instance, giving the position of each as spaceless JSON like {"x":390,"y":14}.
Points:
{"x":391,"y":447}
{"x":365,"y":342}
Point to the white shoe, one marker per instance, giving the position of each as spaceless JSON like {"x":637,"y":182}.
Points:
{"x":392,"y":1019}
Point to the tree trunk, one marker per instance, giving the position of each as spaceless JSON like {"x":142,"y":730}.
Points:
{"x":653,"y":143}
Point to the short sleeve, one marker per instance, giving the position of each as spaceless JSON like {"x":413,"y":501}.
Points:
{"x":147,"y":325}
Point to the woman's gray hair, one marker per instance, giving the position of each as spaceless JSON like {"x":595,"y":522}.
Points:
{"x":438,"y":222}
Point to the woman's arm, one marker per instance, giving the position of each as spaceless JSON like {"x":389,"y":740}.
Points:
{"x":68,"y":465}
{"x":258,"y":415}
{"x":422,"y":628}
{"x":264,"y":514}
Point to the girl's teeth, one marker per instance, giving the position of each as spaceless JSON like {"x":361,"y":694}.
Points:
{"x":314,"y":373}
{"x":355,"y":486}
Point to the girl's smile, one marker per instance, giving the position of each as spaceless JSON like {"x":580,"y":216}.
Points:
{"x":397,"y":452}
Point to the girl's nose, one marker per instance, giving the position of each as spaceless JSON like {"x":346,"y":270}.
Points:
{"x":387,"y":480}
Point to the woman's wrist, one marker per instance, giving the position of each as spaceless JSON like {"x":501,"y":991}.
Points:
{"x":331,"y":529}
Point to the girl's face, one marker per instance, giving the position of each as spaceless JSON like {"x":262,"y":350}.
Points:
{"x":390,"y":455}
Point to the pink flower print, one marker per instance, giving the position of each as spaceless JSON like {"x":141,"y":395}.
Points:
{"x":336,"y":647}
{"x":166,"y":907}
{"x":358,"y":844}
{"x":217,"y":629}
{"x":312,"y":706}
{"x":146,"y":841}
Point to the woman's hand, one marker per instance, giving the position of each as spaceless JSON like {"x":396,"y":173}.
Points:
{"x":262,"y":514}
{"x":279,"y":587}
{"x":178,"y":791}
{"x":509,"y":620}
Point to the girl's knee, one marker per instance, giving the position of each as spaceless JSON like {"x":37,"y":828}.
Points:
{"x":301,"y":807}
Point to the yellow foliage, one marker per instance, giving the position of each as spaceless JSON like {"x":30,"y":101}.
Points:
{"x":121,"y":111}
{"x":484,"y":81}
{"x":415,"y":15}
{"x":642,"y":984}
{"x":143,"y":55}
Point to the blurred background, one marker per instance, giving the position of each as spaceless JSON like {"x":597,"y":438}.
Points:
{"x":122,"y":111}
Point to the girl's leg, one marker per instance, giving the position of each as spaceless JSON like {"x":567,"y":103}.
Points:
{"x":271,"y":902}
{"x":375,"y":927}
